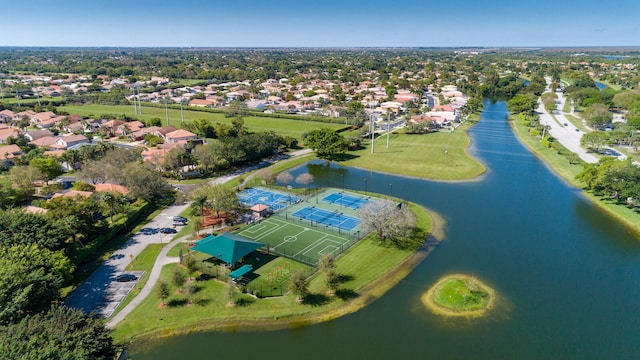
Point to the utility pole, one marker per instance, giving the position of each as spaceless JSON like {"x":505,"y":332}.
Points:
{"x":18,"y":97}
{"x":372,"y":127}
{"x":388,"y":128}
{"x":38,"y":96}
{"x":135,"y":105}
{"x":181,"y":112}
{"x":139,"y":101}
{"x":166,"y":108}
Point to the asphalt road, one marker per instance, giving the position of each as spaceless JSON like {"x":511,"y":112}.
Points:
{"x":568,"y":135}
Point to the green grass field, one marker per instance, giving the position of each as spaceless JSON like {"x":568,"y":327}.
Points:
{"x":421,"y":156}
{"x":284,"y":127}
{"x":457,"y":294}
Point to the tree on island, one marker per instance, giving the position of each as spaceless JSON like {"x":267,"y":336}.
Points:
{"x":327,"y":143}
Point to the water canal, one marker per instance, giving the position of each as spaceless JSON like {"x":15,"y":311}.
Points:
{"x":567,"y":275}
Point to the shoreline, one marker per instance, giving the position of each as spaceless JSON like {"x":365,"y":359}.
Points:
{"x":366,"y":295}
{"x":598,"y":202}
{"x":429,"y":303}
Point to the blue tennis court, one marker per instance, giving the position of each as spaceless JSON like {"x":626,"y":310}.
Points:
{"x":276,"y":201}
{"x":345,"y":200}
{"x":333,"y":219}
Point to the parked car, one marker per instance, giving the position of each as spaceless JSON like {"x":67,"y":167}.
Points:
{"x":126,"y":277}
{"x":168,"y":231}
{"x":179,"y":221}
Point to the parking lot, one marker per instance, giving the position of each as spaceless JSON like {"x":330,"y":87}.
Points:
{"x":114,"y":294}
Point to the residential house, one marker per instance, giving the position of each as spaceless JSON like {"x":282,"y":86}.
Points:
{"x":7,"y":153}
{"x":180,"y":135}
{"x":154,"y":156}
{"x":163,"y":131}
{"x":73,"y":193}
{"x":37,"y":118}
{"x":6,"y":116}
{"x":69,"y":141}
{"x":110,"y":127}
{"x":129,"y":128}
{"x":5,"y":134}
{"x":51,"y":122}
{"x":112,"y":188}
{"x":46,"y":142}
{"x":32,"y":135}
{"x":202,"y":103}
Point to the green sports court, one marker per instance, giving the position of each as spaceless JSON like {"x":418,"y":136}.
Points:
{"x":308,"y":238}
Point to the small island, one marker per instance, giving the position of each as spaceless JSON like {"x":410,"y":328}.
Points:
{"x":459,"y":295}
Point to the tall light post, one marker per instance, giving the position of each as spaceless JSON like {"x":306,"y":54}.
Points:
{"x":181,"y":111}
{"x":388,"y":128}
{"x":166,"y":108}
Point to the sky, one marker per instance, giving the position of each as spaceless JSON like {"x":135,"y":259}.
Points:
{"x":328,"y":23}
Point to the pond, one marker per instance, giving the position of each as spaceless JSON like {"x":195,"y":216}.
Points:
{"x":567,"y":276}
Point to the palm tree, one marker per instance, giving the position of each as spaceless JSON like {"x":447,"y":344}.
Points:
{"x":110,"y":201}
{"x":199,"y":203}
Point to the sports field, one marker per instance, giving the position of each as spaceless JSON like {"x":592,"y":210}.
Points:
{"x":275,"y":200}
{"x":297,"y":240}
{"x":306,"y":228}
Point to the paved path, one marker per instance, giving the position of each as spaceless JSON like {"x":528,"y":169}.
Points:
{"x":161,"y":261}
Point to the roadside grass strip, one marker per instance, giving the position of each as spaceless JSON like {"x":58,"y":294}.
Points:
{"x":295,"y":240}
{"x":275,"y":200}
{"x":342,"y":199}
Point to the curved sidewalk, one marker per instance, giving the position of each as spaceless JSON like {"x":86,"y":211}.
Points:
{"x":154,"y":275}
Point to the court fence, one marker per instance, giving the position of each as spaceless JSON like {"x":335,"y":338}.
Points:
{"x":351,"y":238}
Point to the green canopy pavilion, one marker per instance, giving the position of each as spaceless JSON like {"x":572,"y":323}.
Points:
{"x":228,"y":247}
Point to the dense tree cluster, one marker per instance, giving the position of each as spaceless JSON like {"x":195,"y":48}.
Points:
{"x":613,"y":179}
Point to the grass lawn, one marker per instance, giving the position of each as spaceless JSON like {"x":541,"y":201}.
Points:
{"x":366,"y":272}
{"x":421,"y":156}
{"x":284,"y":127}
{"x":577,"y":122}
{"x":569,"y":171}
{"x":557,"y":162}
{"x":567,"y":107}
{"x":457,"y":294}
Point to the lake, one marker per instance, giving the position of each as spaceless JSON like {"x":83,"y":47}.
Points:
{"x":566,"y":274}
